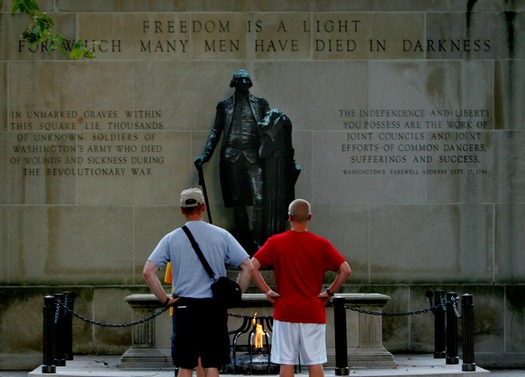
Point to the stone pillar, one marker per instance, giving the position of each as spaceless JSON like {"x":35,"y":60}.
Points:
{"x":143,"y":352}
{"x":364,"y":331}
{"x":143,"y":335}
{"x":370,"y":353}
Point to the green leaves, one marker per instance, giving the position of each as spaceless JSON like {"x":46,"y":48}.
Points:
{"x":24,"y":6}
{"x":40,"y":30}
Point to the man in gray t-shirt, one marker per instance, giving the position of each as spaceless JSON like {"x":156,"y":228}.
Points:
{"x":196,"y":314}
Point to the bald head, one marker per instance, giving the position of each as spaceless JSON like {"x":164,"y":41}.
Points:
{"x":300,"y":210}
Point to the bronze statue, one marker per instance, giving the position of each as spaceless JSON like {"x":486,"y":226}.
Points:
{"x":240,"y":167}
{"x":245,"y":181}
{"x":280,"y":170}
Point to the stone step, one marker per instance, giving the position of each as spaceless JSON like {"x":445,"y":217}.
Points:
{"x":405,"y":365}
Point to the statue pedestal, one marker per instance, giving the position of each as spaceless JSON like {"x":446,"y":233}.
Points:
{"x":144,"y":352}
{"x":151,"y":340}
{"x":369,"y":352}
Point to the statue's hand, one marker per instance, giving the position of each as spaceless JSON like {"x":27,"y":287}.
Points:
{"x":199,"y":161}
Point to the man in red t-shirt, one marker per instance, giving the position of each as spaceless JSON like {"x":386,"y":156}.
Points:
{"x":299,"y":259}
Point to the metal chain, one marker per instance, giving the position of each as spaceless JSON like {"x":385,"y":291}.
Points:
{"x":442,"y":304}
{"x":57,"y":310}
{"x":102,"y":324}
{"x":454,"y":301}
{"x":442,"y":301}
{"x":250,"y":316}
{"x":397,"y":314}
{"x":140,"y":321}
{"x":390,"y":314}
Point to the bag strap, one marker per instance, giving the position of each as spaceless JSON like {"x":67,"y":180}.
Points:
{"x":199,"y":252}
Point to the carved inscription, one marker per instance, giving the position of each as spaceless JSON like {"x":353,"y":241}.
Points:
{"x":126,"y":143}
{"x":86,"y":143}
{"x":261,"y":35}
{"x":414,"y":141}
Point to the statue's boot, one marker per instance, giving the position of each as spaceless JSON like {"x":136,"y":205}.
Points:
{"x":242,"y":233}
{"x":257,"y":227}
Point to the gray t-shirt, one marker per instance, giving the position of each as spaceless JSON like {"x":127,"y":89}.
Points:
{"x":189,"y":276}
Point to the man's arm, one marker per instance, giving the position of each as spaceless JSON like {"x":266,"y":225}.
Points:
{"x":150,"y":274}
{"x":342,"y":274}
{"x":261,"y":283}
{"x":245,"y":275}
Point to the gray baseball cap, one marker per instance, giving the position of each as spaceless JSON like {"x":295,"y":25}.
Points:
{"x":191,"y":197}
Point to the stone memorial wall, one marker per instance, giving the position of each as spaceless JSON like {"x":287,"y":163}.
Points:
{"x":408,"y":121}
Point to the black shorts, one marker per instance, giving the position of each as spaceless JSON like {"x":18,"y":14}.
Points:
{"x":201,"y":329}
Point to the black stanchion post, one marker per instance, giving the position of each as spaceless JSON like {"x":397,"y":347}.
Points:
{"x":48,"y":365}
{"x":452,"y":330}
{"x":439,"y":325}
{"x":341,"y":352}
{"x":69,"y":303}
{"x":60,"y":359}
{"x":467,"y":315}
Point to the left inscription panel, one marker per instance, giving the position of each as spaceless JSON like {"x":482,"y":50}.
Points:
{"x":75,"y":134}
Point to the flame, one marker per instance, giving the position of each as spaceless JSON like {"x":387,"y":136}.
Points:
{"x":259,"y":333}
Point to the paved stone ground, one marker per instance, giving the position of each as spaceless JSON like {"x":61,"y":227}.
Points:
{"x":408,"y":365}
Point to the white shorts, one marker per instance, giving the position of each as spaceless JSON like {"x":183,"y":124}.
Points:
{"x":298,"y":343}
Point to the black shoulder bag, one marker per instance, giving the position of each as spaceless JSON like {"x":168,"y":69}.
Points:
{"x":225,"y":291}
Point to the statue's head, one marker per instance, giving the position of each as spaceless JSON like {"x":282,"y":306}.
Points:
{"x":241,"y":80}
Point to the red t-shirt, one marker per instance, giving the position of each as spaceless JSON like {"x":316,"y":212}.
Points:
{"x":299,"y":261}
